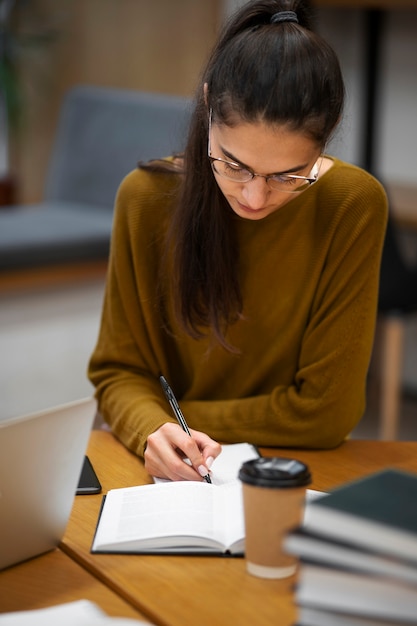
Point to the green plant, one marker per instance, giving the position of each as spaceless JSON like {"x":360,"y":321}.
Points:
{"x":24,"y":27}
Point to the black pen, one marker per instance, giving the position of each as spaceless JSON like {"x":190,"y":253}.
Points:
{"x":177,"y":412}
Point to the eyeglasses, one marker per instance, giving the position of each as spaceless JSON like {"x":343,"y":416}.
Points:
{"x":289,"y":183}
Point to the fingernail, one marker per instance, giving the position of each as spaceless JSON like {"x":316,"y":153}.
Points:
{"x":203,"y":471}
{"x":209,"y":461}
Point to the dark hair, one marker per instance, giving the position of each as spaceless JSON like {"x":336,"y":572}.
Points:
{"x":278,"y":73}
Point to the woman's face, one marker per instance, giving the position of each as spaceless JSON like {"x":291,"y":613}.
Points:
{"x":266,"y":150}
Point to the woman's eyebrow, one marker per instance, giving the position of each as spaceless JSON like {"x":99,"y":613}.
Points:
{"x":230,"y":156}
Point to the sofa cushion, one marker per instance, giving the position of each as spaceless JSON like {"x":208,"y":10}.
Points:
{"x":53,"y":232}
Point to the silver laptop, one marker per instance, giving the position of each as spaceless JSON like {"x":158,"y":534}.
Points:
{"x":41,"y":456}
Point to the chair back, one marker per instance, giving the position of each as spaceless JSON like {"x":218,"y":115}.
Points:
{"x":398,"y":278}
{"x":102,"y":134}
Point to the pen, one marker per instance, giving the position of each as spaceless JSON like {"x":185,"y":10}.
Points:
{"x":177,"y":412}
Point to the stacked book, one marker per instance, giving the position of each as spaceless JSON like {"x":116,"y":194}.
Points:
{"x":358,"y":554}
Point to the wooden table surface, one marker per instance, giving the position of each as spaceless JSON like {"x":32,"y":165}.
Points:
{"x":189,"y":590}
{"x":52,"y":579}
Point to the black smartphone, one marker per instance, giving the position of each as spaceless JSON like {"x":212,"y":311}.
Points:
{"x":88,"y":483}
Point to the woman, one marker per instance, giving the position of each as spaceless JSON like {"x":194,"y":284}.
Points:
{"x":247,"y":272}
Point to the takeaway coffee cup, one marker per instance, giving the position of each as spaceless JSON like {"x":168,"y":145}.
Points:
{"x":274,"y":491}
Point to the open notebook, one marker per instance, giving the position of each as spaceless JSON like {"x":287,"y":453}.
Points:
{"x":184,"y":517}
{"x":41,"y":456}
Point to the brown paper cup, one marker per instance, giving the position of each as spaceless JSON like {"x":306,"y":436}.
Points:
{"x":270,"y":513}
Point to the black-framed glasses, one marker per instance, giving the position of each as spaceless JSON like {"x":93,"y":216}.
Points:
{"x":235,"y":172}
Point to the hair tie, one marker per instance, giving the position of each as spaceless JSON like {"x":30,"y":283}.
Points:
{"x":284,"y":16}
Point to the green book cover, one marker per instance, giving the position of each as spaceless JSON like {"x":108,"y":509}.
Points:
{"x":378,"y":512}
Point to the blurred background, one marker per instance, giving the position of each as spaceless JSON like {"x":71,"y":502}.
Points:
{"x":48,"y":328}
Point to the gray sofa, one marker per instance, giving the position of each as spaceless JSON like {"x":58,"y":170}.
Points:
{"x":102,"y":134}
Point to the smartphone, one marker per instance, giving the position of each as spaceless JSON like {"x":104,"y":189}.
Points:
{"x":88,"y":483}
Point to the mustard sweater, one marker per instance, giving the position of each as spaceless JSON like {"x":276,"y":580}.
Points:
{"x":309,"y":277}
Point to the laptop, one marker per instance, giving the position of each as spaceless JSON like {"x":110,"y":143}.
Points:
{"x":41,"y":457}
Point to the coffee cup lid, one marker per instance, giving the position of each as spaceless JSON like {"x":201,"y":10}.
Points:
{"x":275,"y":472}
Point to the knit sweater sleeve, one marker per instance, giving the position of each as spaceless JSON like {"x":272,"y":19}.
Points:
{"x":129,"y":354}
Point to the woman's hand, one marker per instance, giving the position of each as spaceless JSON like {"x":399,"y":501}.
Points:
{"x":167,"y":448}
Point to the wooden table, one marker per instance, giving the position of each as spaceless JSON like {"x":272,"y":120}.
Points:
{"x":52,"y":579}
{"x":189,"y":590}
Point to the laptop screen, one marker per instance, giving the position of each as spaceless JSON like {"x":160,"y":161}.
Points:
{"x":41,"y":456}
